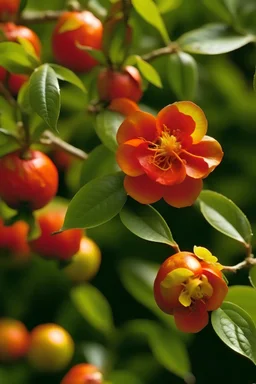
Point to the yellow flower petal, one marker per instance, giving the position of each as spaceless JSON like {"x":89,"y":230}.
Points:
{"x":176,"y":277}
{"x":185,"y":298}
{"x":206,"y":287}
{"x":204,"y":254}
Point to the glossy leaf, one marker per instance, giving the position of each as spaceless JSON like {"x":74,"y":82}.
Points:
{"x":225,"y":216}
{"x":165,"y":6}
{"x":149,"y":72}
{"x":168,"y":349}
{"x":213,"y":39}
{"x":24,"y":98}
{"x":107,"y":124}
{"x":97,"y":202}
{"x":67,"y":75}
{"x":14,"y":58}
{"x":148,"y":10}
{"x":8,"y":142}
{"x":138,"y":278}
{"x":219,"y":9}
{"x":235,"y":328}
{"x":101,"y":161}
{"x":146,"y":222}
{"x":95,"y":53}
{"x":93,"y":306}
{"x":252,"y":276}
{"x":183,"y":75}
{"x":45,"y":95}
{"x":245,"y":297}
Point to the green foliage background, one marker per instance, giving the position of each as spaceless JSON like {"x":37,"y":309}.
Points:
{"x":39,"y":293}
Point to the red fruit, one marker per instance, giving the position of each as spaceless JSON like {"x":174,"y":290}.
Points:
{"x":51,"y":348}
{"x":9,"y":7}
{"x":112,"y":84}
{"x":62,"y":159}
{"x":32,"y":180}
{"x":13,"y":239}
{"x":14,"y":340}
{"x":88,"y":32}
{"x":61,"y":246}
{"x":168,"y":299}
{"x":191,"y":319}
{"x":2,"y":74}
{"x":13,"y":32}
{"x":15,"y":82}
{"x":83,"y":374}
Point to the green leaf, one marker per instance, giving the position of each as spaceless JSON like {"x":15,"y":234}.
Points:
{"x":245,"y":297}
{"x":96,"y":354}
{"x":219,"y":9}
{"x":148,"y":10}
{"x":101,"y":161}
{"x":252,"y":276}
{"x":8,"y":142}
{"x":107,"y":124}
{"x":95,"y":53}
{"x":168,"y":349}
{"x":23,"y":4}
{"x":165,"y":6}
{"x":45,"y":95}
{"x":146,"y":222}
{"x":30,"y":50}
{"x":24,"y":98}
{"x":66,"y":74}
{"x":149,"y":72}
{"x":182,"y":73}
{"x":15,"y":59}
{"x":93,"y":306}
{"x":254,"y":81}
{"x":225,"y":216}
{"x":124,"y":377}
{"x":232,"y":6}
{"x":97,"y":202}
{"x":213,"y":39}
{"x":138,"y":278}
{"x":236,"y":329}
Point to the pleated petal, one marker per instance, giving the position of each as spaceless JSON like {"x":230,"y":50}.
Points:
{"x":138,"y":125}
{"x":198,"y":116}
{"x":178,"y":123}
{"x":184,"y":194}
{"x":127,"y":159}
{"x":220,"y":289}
{"x":196,"y":167}
{"x":210,"y":150}
{"x":142,"y":189}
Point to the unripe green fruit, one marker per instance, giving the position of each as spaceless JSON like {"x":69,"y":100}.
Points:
{"x":51,"y":348}
{"x":86,"y":262}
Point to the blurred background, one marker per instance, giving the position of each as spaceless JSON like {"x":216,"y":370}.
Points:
{"x":38,"y":292}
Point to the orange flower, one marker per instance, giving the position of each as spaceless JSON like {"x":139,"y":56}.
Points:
{"x":167,"y":155}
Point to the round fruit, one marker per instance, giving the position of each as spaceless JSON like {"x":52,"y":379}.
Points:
{"x":15,"y":32}
{"x":9,"y":7}
{"x":61,"y":246}
{"x":14,"y":340}
{"x":51,"y":348}
{"x":15,"y":82}
{"x":83,"y":374}
{"x":72,"y":28}
{"x":13,"y":239}
{"x":86,"y":262}
{"x":192,"y":319}
{"x":32,"y":180}
{"x":112,"y":84}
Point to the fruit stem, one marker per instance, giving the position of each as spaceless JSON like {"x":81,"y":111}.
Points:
{"x":168,"y":50}
{"x":247,"y":263}
{"x":48,"y":138}
{"x":31,"y":17}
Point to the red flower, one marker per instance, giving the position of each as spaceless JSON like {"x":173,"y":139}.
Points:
{"x":167,"y":155}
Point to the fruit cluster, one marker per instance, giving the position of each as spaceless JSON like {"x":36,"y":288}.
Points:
{"x":48,"y":347}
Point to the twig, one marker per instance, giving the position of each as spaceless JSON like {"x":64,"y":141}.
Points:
{"x":7,"y":95}
{"x":172,"y":48}
{"x":247,"y":263}
{"x":28,"y":17}
{"x":48,"y":138}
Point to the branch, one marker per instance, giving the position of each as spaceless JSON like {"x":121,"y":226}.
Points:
{"x":7,"y":95}
{"x":28,"y":17}
{"x":247,"y":263}
{"x":171,"y":48}
{"x":48,"y":138}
